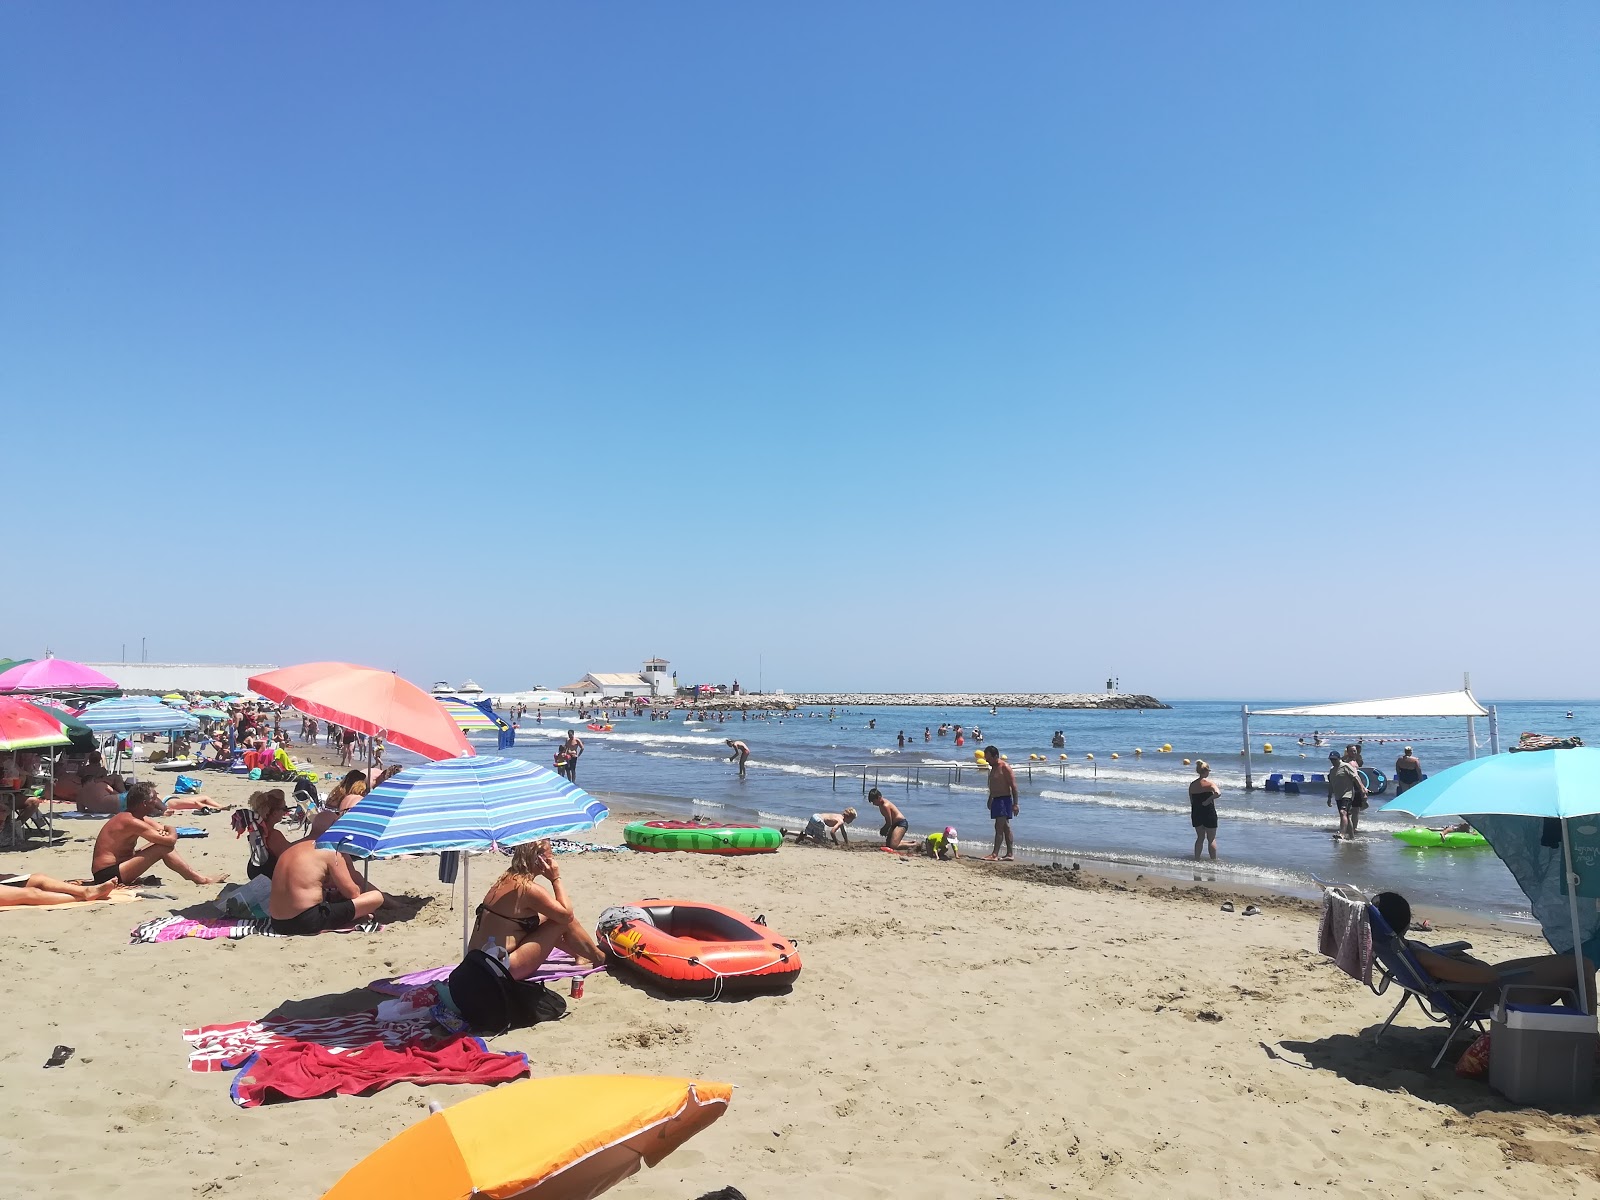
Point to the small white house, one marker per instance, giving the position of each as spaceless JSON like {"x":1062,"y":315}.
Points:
{"x":653,"y":679}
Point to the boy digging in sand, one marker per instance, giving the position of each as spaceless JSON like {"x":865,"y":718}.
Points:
{"x":827,"y":828}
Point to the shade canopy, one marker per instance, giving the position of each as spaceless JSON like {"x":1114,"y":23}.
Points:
{"x":571,"y":1137}
{"x":136,"y":714}
{"x":1540,"y":812}
{"x":1434,"y":704}
{"x":370,"y":701}
{"x":55,"y":675}
{"x":462,"y":804}
{"x":25,"y":727}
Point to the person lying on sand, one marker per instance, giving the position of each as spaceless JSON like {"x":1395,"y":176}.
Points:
{"x":895,"y":825}
{"x":529,"y":920}
{"x":1542,"y":971}
{"x":827,"y":828}
{"x":302,"y":878}
{"x":115,"y":856}
{"x":18,"y":890}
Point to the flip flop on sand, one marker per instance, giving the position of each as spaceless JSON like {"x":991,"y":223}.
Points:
{"x":1250,"y":910}
{"x":1227,"y":906}
{"x":991,"y":858}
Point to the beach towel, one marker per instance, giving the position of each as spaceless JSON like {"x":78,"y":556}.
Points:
{"x":1345,"y":934}
{"x":560,"y":965}
{"x":293,"y":1070}
{"x":227,"y":1047}
{"x":175,"y":929}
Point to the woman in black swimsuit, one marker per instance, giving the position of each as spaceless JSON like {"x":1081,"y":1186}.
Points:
{"x":529,"y":920}
{"x":1203,"y":793}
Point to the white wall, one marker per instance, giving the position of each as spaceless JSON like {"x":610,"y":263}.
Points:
{"x":214,"y":679}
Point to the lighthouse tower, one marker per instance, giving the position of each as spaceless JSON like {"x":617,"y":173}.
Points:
{"x":657,"y":672}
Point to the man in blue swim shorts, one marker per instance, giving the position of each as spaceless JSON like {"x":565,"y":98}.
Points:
{"x":1004,"y":803}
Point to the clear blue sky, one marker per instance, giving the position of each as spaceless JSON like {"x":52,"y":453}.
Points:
{"x":917,"y":345}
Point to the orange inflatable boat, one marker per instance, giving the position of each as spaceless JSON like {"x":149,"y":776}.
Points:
{"x":690,"y":948}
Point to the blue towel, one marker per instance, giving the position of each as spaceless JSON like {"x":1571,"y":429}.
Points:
{"x":192,"y":831}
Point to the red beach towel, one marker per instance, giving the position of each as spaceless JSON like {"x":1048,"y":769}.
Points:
{"x":304,"y":1070}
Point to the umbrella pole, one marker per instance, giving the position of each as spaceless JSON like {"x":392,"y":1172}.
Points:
{"x":466,"y":874}
{"x":1572,"y":903}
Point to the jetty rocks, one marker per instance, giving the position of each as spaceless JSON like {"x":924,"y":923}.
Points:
{"x":979,"y":700}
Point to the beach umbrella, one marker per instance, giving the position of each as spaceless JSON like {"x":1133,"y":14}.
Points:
{"x":24,"y":726}
{"x":571,"y":1137}
{"x":1540,"y":812}
{"x":55,"y":675}
{"x":208,"y":714}
{"x":178,"y":696}
{"x":469,"y":718}
{"x":480,"y":803}
{"x":136,"y":714}
{"x":367,"y":700}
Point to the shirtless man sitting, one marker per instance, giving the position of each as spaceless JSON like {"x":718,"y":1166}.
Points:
{"x":895,"y":824}
{"x":302,"y":880}
{"x":115,"y":855}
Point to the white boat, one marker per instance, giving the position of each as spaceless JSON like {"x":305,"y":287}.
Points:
{"x":443,"y":689}
{"x":469,"y":688}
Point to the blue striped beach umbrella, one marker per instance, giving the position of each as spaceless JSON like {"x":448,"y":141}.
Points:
{"x":136,"y":714}
{"x":478,"y":803}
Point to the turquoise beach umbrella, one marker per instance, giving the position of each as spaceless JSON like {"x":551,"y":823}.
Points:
{"x":1540,"y":812}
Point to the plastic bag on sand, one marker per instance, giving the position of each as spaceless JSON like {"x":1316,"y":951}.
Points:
{"x":1474,"y":1064}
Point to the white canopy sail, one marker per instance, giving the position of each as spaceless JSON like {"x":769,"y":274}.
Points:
{"x":1435,"y":704}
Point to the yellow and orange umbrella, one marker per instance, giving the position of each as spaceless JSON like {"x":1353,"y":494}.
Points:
{"x":567,"y":1138}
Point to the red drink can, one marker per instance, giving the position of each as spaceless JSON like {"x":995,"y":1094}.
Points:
{"x":577,"y":988}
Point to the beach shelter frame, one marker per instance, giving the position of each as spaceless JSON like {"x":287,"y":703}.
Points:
{"x":1461,"y":704}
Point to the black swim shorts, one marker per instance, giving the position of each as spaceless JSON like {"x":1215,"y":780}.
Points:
{"x":106,"y":874}
{"x":334,"y":914}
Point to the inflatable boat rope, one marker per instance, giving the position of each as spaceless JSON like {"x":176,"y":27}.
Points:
{"x":694,"y":960}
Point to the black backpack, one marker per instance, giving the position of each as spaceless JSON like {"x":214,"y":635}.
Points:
{"x":491,"y":1002}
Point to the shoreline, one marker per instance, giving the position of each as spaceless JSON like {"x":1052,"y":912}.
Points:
{"x":1099,"y":872}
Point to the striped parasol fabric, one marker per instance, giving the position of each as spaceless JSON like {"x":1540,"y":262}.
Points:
{"x":25,"y":727}
{"x":469,"y":718}
{"x":462,"y":804}
{"x":136,"y":714}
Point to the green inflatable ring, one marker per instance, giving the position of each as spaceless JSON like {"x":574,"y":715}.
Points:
{"x":1433,"y":839}
{"x":663,"y":836}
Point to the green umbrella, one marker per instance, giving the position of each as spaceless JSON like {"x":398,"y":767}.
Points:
{"x":208,"y":714}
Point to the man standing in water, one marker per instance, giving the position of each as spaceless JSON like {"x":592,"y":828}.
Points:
{"x":574,"y":747}
{"x":1345,"y":790}
{"x":741,"y":754}
{"x":1004,"y":803}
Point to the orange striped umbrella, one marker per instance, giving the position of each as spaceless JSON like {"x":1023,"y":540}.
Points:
{"x":571,"y":1137}
{"x":367,"y":700}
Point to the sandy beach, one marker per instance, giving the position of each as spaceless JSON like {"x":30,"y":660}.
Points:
{"x":959,"y":1030}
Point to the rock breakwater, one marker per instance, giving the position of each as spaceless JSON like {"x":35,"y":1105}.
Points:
{"x":978,"y":699}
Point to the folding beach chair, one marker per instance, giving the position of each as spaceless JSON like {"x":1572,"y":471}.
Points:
{"x":1460,"y":1005}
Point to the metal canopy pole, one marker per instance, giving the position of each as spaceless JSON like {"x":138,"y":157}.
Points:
{"x":1244,"y":721}
{"x":466,"y":901}
{"x":1572,"y":907}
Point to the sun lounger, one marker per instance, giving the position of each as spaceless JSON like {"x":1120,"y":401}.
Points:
{"x":1463,"y":1006}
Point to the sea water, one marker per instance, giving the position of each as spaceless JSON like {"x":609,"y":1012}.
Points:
{"x":1131,"y":810}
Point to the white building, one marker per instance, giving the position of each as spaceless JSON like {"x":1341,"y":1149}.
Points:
{"x":653,"y":679}
{"x":210,"y":679}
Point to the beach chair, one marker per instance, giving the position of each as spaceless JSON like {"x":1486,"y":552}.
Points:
{"x":1460,"y":1005}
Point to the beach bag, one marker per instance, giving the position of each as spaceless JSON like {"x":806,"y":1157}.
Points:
{"x":491,"y":1002}
{"x":249,"y":900}
{"x":187,"y":785}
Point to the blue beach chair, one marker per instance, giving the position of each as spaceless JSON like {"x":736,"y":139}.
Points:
{"x":1460,"y":1005}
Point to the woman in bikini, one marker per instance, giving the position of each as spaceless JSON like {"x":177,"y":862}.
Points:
{"x":529,"y":920}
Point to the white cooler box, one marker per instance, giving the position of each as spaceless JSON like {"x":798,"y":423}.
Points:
{"x":1542,"y":1056}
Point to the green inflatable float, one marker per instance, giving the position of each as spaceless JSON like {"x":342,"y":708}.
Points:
{"x":1433,"y":839}
{"x":662,"y":836}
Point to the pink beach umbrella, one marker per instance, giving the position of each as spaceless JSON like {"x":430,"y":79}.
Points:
{"x":55,"y":675}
